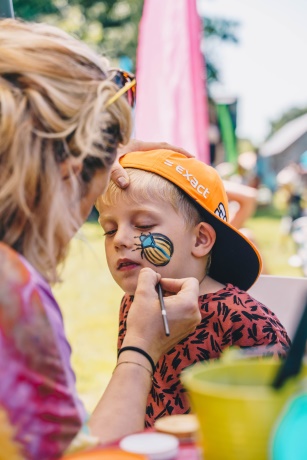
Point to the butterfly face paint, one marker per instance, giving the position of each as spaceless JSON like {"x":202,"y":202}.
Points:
{"x":156,"y":248}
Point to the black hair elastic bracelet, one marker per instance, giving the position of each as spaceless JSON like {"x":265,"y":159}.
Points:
{"x":142,"y":352}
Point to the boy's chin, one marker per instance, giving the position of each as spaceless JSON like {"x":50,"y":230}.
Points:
{"x":128,"y":288}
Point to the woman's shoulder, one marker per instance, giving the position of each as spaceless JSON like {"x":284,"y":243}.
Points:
{"x":18,"y":279}
{"x":25,"y":297}
{"x":12,"y":268}
{"x":14,"y":281}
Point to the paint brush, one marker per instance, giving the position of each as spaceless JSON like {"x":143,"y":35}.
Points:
{"x":163,"y":311}
{"x":293,"y":362}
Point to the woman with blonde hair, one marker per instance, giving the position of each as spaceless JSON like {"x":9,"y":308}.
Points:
{"x":62,"y":118}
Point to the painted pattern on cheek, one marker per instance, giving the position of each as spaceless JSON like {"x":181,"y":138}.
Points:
{"x":156,"y":248}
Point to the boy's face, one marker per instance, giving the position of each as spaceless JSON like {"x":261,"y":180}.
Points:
{"x":147,"y":234}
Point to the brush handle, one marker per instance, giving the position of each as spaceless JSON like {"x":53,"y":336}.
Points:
{"x":293,"y":362}
{"x":163,"y":310}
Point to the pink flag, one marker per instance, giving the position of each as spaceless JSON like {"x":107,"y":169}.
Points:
{"x":171,"y":94}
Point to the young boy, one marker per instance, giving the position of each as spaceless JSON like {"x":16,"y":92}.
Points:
{"x":173,"y":218}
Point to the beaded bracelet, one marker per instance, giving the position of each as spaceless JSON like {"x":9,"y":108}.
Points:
{"x":142,"y":352}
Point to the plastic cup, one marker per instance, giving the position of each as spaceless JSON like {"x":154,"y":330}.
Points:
{"x":236,"y":406}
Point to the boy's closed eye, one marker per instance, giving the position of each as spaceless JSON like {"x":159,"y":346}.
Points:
{"x":145,"y":227}
{"x":109,"y":232}
{"x":139,"y":227}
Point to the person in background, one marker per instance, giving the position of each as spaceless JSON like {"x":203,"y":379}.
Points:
{"x":174,"y":219}
{"x":290,"y":192}
{"x":62,"y":118}
{"x":243,"y":203}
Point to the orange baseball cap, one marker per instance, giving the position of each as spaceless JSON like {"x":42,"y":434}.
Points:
{"x":235,"y":259}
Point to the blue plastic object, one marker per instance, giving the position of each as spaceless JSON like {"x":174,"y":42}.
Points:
{"x":289,"y":441}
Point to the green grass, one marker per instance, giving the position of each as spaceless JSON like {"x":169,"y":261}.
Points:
{"x":90,"y":299}
{"x":274,"y":247}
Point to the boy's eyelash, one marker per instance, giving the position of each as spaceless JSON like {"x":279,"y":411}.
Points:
{"x":110,"y":232}
{"x":142,"y":227}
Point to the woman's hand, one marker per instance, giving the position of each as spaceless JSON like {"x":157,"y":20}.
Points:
{"x":118,"y":173}
{"x":144,"y":323}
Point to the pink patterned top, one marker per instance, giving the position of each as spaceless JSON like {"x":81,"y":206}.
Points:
{"x":37,"y":382}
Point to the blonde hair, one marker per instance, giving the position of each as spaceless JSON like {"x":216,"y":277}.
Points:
{"x":53,"y":95}
{"x":148,"y":186}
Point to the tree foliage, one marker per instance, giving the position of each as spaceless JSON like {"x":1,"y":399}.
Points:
{"x":217,"y":30}
{"x":32,"y":10}
{"x":112,"y":25}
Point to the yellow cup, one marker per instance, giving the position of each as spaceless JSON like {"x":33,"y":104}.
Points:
{"x":236,"y":406}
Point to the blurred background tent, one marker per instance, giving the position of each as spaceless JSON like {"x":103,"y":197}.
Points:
{"x":285,"y":146}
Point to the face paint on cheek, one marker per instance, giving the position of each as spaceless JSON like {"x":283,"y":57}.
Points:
{"x":156,"y":248}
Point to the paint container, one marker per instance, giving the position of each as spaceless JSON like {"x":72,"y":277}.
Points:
{"x":156,"y":446}
{"x":183,"y":426}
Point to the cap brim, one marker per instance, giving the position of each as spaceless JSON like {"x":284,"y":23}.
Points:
{"x":235,"y":260}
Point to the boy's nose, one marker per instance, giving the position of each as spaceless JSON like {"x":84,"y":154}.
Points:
{"x":123,"y":238}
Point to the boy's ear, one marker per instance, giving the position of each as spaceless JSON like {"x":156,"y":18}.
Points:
{"x":205,"y":237}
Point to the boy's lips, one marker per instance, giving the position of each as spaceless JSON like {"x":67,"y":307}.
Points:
{"x":126,"y":264}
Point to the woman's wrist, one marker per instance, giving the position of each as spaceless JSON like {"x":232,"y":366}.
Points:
{"x":134,"y":363}
{"x":141,"y":352}
{"x":138,"y":342}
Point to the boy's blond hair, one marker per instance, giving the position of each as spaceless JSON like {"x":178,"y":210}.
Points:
{"x":148,"y":186}
{"x":53,"y":94}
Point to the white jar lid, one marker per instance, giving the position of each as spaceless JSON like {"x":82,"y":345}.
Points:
{"x":157,"y":446}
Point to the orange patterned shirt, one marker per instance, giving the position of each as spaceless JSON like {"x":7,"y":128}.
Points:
{"x":229,"y":317}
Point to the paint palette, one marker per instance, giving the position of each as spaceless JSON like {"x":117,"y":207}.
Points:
{"x":105,"y":454}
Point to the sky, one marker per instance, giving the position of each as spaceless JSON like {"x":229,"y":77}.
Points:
{"x":267,"y":70}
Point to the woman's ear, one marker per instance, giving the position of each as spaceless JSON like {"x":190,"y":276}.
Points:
{"x":70,"y":166}
{"x":205,"y":237}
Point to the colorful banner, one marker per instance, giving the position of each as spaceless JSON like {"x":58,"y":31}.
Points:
{"x":171,"y":88}
{"x":228,"y":134}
